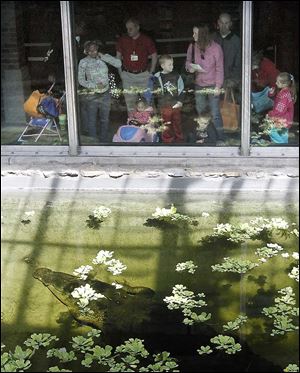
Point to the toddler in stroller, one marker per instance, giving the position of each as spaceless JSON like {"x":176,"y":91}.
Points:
{"x":139,"y":127}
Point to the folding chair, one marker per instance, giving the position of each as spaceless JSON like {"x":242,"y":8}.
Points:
{"x":41,"y":127}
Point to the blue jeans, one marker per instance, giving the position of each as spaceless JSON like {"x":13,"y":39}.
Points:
{"x":91,"y":106}
{"x":214,"y":105}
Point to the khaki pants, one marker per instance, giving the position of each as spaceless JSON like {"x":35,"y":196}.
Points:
{"x":133,"y":81}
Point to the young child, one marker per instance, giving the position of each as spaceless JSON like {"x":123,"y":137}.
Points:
{"x":168,"y":89}
{"x":285,"y":99}
{"x":142,"y":114}
{"x":205,"y":132}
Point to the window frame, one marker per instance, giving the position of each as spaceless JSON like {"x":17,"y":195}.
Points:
{"x":74,"y":149}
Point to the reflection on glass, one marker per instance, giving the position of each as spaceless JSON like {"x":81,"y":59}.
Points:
{"x":32,"y":70}
{"x":137,"y":40}
{"x":274,"y":115}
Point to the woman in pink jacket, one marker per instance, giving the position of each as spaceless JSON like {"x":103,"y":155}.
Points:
{"x":205,"y":59}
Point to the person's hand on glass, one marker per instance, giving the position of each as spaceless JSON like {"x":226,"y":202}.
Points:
{"x":217,"y":91}
{"x":177,"y":105}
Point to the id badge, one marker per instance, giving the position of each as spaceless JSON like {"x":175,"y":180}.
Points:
{"x":134,"y":57}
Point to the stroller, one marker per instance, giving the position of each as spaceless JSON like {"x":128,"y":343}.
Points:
{"x":43,"y":109}
{"x":133,"y":133}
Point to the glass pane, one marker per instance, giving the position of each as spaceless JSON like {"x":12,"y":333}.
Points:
{"x":31,"y":61}
{"x":128,"y":104}
{"x":275,"y":65}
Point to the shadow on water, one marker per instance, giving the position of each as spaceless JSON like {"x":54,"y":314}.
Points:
{"x":160,"y":328}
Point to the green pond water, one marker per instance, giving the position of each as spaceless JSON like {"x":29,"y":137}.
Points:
{"x":58,"y":238}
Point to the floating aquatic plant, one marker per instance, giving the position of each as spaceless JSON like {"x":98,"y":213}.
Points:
{"x":115,"y":266}
{"x":235,"y":324}
{"x":172,"y":216}
{"x":188,"y":266}
{"x":186,"y":301}
{"x":39,"y":340}
{"x":131,"y":356}
{"x":291,"y":368}
{"x":102,"y":257}
{"x":283,"y":312}
{"x":82,"y":271}
{"x":205,"y":350}
{"x":235,"y":265}
{"x":62,"y":354}
{"x":257,"y":228}
{"x":98,"y":215}
{"x":226,"y":343}
{"x":26,"y":218}
{"x":85,"y":294}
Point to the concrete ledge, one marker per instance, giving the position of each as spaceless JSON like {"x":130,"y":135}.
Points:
{"x":38,"y":181}
{"x":132,"y":164}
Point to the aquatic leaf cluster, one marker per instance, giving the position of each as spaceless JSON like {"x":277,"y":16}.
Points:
{"x":236,"y":265}
{"x":226,"y":343}
{"x":291,"y":368}
{"x":39,"y":340}
{"x":131,"y":356}
{"x":222,"y":342}
{"x":256,"y":229}
{"x":235,"y":324}
{"x":272,"y":249}
{"x":185,"y":300}
{"x":188,"y":266}
{"x":98,"y":215}
{"x":16,"y":361}
{"x":172,"y":216}
{"x":283,"y":312}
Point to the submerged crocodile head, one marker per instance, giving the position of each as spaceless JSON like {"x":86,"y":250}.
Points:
{"x":129,"y":306}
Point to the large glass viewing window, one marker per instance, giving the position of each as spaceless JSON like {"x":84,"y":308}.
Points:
{"x":164,"y":75}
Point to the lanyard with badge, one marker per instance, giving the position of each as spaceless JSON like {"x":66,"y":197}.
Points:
{"x":134,"y":57}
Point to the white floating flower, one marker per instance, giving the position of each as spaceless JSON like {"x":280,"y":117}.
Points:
{"x":82,"y":271}
{"x":285,"y":255}
{"x":115,"y":266}
{"x":29,"y":213}
{"x":159,"y":213}
{"x":295,"y":255}
{"x":85,"y":294}
{"x":274,"y":246}
{"x":101,"y":212}
{"x":205,"y":214}
{"x":294,"y":273}
{"x":279,"y":223}
{"x":116,"y":285}
{"x":102,"y":257}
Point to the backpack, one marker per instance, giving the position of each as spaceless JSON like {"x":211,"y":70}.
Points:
{"x":31,"y":104}
{"x":48,"y":106}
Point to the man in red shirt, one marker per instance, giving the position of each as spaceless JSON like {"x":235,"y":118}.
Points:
{"x":134,"y":50}
{"x":264,"y":72}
